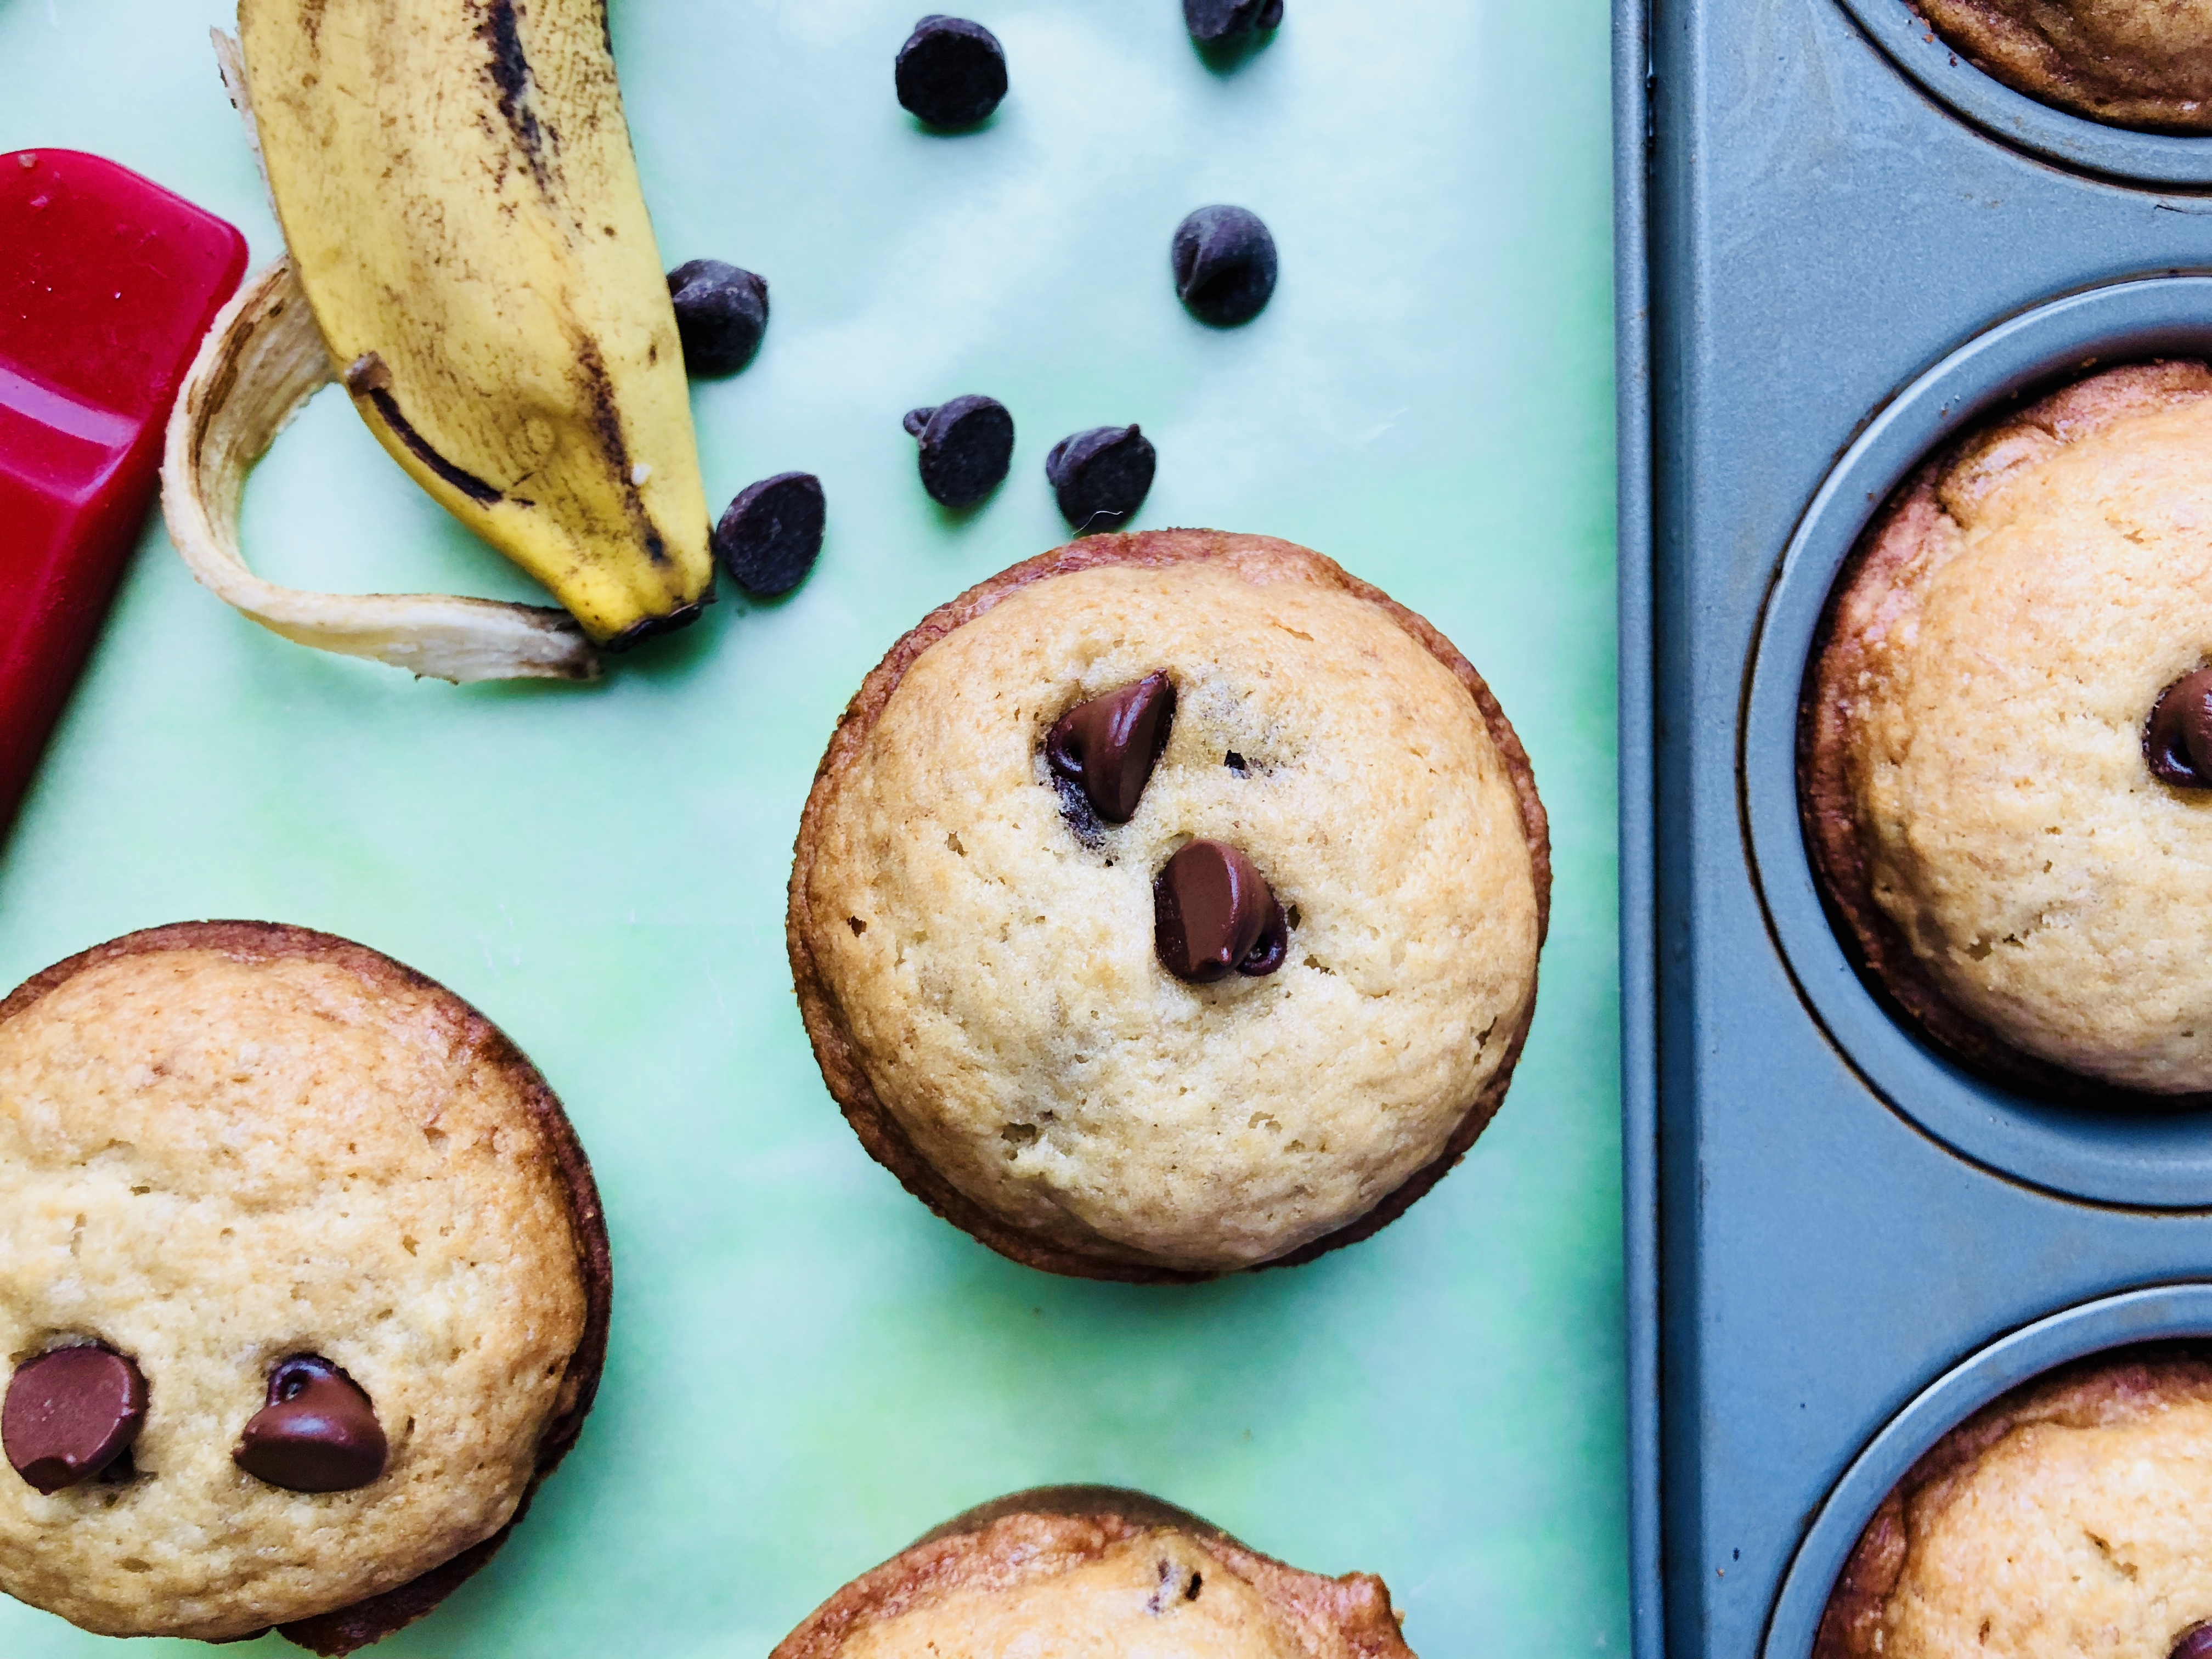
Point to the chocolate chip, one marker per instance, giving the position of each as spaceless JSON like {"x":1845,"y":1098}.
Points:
{"x":1224,"y":264}
{"x":951,"y":73}
{"x":1111,"y":745}
{"x":770,"y":535}
{"x":1214,"y":22}
{"x":318,"y":1432}
{"x":2178,"y":737}
{"x":966,"y":447}
{"x":2194,"y":1643}
{"x":1234,"y":762}
{"x":1212,"y":913}
{"x":721,"y":313}
{"x":70,"y":1413}
{"x":1101,"y":475}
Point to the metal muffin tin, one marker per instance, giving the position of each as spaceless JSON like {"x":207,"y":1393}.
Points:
{"x":1837,"y":249}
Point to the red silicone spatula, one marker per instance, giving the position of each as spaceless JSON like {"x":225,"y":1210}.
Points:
{"x":107,"y":282}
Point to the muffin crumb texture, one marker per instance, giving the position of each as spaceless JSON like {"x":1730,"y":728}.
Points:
{"x":2143,"y":63}
{"x":2072,"y":1517}
{"x":991,"y":952}
{"x":215,"y":1159}
{"x":1975,"y":788}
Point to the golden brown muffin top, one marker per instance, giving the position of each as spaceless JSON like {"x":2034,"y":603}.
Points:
{"x":980,"y":972}
{"x":2073,"y":1516}
{"x":2132,"y":63}
{"x":1974,"y":779}
{"x":223,"y":1145}
{"x":1090,"y":1572}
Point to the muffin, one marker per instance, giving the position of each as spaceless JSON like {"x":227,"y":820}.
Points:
{"x":2072,"y":1516}
{"x":1169,"y":905}
{"x":303,"y":1287}
{"x":2144,"y":63}
{"x":1995,"y":761}
{"x":1093,"y":1573}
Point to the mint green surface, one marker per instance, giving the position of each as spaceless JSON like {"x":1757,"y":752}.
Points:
{"x":808,"y":1368}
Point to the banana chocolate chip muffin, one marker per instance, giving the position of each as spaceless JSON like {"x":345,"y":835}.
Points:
{"x":1169,"y":905}
{"x":2073,"y":1516}
{"x":303,"y":1287}
{"x":1093,"y":1573}
{"x":2006,"y":754}
{"x":2143,"y":63}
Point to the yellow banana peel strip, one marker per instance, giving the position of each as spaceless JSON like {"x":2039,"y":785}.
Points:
{"x":260,"y":362}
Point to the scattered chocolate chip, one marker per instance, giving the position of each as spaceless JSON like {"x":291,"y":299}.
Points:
{"x":721,"y":313}
{"x":71,"y":1413}
{"x":966,"y":447}
{"x":770,"y":535}
{"x":2194,"y":1643}
{"x":1224,"y":264}
{"x":1110,"y":744}
{"x":1212,"y":22}
{"x":2178,"y":737}
{"x":1101,"y":475}
{"x":1212,"y":913}
{"x":1233,"y":760}
{"x":951,"y":73}
{"x":318,"y":1432}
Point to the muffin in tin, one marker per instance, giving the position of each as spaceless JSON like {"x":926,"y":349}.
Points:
{"x":303,"y":1287}
{"x":2072,"y":1516}
{"x":1044,"y":796}
{"x":1995,"y":769}
{"x":2144,"y":63}
{"x":1091,"y":1573}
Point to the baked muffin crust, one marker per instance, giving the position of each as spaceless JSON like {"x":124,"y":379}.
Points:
{"x":981,"y":985}
{"x":222,"y":1144}
{"x":1972,"y":776}
{"x":1093,"y":1573}
{"x":2131,"y":63}
{"x":2072,"y":1516}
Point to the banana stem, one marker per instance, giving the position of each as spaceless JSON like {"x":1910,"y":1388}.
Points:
{"x":262,"y":358}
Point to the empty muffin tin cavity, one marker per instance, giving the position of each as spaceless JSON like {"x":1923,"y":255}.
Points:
{"x":2074,"y":141}
{"x":2163,"y":1313}
{"x":2150,"y":1155}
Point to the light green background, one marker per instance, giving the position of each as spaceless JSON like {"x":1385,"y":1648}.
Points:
{"x":808,"y":1369}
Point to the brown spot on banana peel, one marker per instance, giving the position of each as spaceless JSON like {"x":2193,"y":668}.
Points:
{"x":510,"y":75}
{"x":606,"y":424}
{"x":369,"y":376}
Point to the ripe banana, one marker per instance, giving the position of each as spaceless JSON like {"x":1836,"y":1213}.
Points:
{"x":457,"y":191}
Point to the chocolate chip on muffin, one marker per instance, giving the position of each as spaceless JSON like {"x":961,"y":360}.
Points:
{"x":1093,"y":1572}
{"x":1170,"y":1018}
{"x":303,"y":1287}
{"x":2144,"y":63}
{"x":1997,"y":726}
{"x":2072,"y":1516}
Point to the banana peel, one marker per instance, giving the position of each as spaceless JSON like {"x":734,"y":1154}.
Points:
{"x":497,"y":311}
{"x":261,"y":361}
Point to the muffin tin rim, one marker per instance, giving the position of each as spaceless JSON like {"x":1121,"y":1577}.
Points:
{"x":1984,"y":102}
{"x":2156,"y":1161}
{"x":2152,"y":1313}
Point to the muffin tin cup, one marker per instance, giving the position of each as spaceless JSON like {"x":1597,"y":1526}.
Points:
{"x":1837,"y":249}
{"x":2153,"y":1157}
{"x":2042,"y":130}
{"x":2159,"y":1313}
